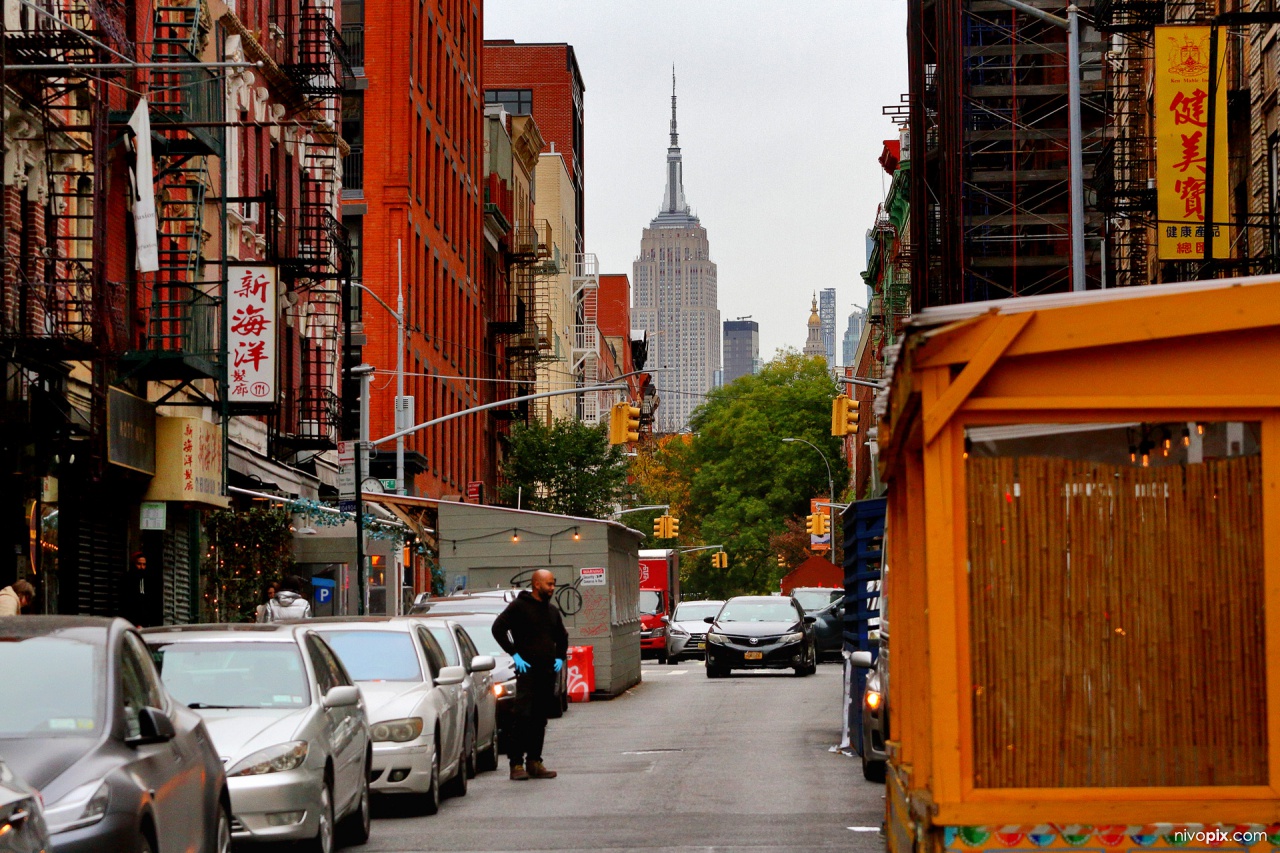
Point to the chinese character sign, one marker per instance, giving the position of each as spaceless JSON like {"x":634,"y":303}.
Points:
{"x":251,"y":334}
{"x":1182,"y":128}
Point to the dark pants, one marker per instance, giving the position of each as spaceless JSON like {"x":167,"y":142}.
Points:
{"x":535,"y":695}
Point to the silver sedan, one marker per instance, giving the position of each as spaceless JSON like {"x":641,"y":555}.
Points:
{"x":460,"y":650}
{"x":687,"y":632}
{"x":287,"y":720}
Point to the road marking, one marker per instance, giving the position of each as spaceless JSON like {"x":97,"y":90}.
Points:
{"x":679,"y":672}
{"x":864,"y":828}
{"x":653,"y":751}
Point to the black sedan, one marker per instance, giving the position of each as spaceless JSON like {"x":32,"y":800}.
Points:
{"x":761,"y":632}
{"x":122,"y":766}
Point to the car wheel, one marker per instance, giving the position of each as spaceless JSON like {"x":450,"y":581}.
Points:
{"x":143,"y":844}
{"x":457,"y":786}
{"x":356,"y":830}
{"x":873,"y":771}
{"x":431,"y":799}
{"x":671,"y":660}
{"x":222,"y":832}
{"x":324,"y":841}
{"x":473,"y":750}
{"x":488,"y":760}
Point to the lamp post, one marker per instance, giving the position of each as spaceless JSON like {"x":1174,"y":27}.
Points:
{"x":362,"y":372}
{"x":399,"y":318}
{"x":831,"y":491}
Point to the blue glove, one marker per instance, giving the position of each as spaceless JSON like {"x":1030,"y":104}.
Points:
{"x":559,"y":664}
{"x":522,"y":665}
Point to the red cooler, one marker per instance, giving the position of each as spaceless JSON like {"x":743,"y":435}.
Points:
{"x":582,"y":673}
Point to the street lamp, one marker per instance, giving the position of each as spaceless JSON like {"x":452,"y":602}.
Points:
{"x":831,"y":490}
{"x":400,"y":346}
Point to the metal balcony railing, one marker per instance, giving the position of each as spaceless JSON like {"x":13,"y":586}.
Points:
{"x":353,"y":170}
{"x":353,"y":38}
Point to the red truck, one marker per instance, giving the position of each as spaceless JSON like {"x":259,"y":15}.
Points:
{"x":659,"y":592}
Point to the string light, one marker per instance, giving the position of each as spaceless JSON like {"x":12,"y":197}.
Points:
{"x":1199,"y":429}
{"x":515,"y":536}
{"x":1186,"y":437}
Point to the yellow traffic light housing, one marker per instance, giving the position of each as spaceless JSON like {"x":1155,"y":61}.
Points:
{"x":782,"y":561}
{"x":823,"y":524}
{"x":660,"y":527}
{"x":811,"y":524}
{"x":724,"y":560}
{"x":673,"y":527}
{"x":844,"y":415}
{"x":624,"y":423}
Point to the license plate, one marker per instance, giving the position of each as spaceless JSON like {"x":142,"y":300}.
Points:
{"x":699,"y":645}
{"x":752,"y":655}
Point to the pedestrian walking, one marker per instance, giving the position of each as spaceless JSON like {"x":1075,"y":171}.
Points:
{"x":260,"y":612}
{"x":531,"y":630}
{"x":289,"y":603}
{"x":16,"y":596}
{"x":141,"y":593}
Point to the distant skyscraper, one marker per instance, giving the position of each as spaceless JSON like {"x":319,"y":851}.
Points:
{"x":827,"y":314}
{"x":814,"y":345}
{"x":676,"y":299}
{"x":851,"y":335}
{"x":741,"y":348}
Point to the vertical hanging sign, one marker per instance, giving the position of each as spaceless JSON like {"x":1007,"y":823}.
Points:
{"x":144,"y":198}
{"x":1182,"y":128}
{"x":251,"y":333}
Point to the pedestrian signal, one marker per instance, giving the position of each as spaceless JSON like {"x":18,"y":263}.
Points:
{"x":624,"y":423}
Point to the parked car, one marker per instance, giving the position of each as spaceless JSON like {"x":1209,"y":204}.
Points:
{"x":121,"y":764}
{"x":687,"y":631}
{"x":482,"y":728}
{"x":22,"y":826}
{"x":815,"y":598}
{"x":416,"y":705}
{"x":286,"y":719}
{"x":481,"y":601}
{"x":761,"y":632}
{"x":875,"y":711}
{"x":479,"y":628}
{"x":828,"y":629}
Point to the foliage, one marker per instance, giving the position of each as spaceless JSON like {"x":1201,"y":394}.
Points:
{"x":741,"y":483}
{"x":247,"y":550}
{"x":568,"y":468}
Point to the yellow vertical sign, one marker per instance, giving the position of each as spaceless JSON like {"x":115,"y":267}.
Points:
{"x":1182,"y":120}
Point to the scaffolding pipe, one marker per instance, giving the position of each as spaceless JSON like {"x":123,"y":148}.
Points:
{"x":1075,"y":148}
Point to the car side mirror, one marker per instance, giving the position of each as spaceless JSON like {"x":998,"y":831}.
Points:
{"x":450,"y":675}
{"x":809,"y":619}
{"x":666,"y":620}
{"x":154,"y":726}
{"x":342,"y":696}
{"x":483,"y":663}
{"x":710,"y":620}
{"x":862,"y":660}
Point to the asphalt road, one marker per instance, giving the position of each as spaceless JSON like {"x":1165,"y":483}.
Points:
{"x":678,"y":763}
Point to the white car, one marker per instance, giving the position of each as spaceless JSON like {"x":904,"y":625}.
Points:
{"x":687,"y":630}
{"x":416,"y":704}
{"x":482,"y":729}
{"x":287,"y":721}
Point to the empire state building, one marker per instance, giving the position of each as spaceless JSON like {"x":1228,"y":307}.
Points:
{"x":676,"y":299}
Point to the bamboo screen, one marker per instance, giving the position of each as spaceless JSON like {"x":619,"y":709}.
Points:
{"x":1116,"y":623}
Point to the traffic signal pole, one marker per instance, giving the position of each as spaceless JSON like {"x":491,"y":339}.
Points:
{"x":831,"y":490}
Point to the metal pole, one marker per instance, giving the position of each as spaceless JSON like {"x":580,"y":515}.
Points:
{"x":1209,"y":152}
{"x":1075,"y":146}
{"x":362,"y":463}
{"x":831,"y":490}
{"x":399,"y":366}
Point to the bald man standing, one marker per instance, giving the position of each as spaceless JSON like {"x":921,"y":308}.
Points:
{"x":531,"y":630}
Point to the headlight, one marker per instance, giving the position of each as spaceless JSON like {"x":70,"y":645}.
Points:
{"x":791,"y":638}
{"x":81,"y":807}
{"x":273,"y":759}
{"x":874,"y":699}
{"x":677,"y":631}
{"x":718,"y":639}
{"x":397,"y":731}
{"x":505,"y":690}
{"x":659,"y":631}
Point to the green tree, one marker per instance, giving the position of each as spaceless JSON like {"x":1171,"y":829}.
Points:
{"x":568,"y":468}
{"x":248,"y":549}
{"x":743,"y":482}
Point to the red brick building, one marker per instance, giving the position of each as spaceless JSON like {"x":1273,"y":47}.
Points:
{"x":613,"y":317}
{"x":413,"y":180}
{"x":543,"y":80}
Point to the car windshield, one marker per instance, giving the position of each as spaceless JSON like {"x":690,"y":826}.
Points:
{"x":758,"y":611}
{"x":53,"y":687}
{"x":480,"y":630}
{"x":376,"y":655}
{"x":696,"y":611}
{"x":234,"y":674}
{"x":816,"y":599}
{"x":475,"y":604}
{"x":650,"y":601}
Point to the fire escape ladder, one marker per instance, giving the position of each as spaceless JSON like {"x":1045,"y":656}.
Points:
{"x":62,"y":308}
{"x":585,"y":356}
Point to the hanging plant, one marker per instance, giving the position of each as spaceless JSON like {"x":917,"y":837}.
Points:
{"x":247,"y":550}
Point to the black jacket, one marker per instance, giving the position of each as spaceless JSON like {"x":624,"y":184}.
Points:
{"x":532,"y":628}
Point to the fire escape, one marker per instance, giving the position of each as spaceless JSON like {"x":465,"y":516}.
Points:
{"x":530,"y":262}
{"x":312,"y":245}
{"x":585,"y":356}
{"x":57,"y":305}
{"x":181,"y":303}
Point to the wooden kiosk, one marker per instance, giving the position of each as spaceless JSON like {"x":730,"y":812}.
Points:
{"x":1083,"y":572}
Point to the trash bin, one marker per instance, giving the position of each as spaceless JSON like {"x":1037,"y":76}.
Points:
{"x":582,"y":673}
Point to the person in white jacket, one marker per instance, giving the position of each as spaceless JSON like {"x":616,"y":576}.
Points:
{"x":289,"y":603}
{"x":14,"y":598}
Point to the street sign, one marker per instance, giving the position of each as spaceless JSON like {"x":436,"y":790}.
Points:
{"x":323,"y":588}
{"x":153,"y":515}
{"x":347,"y":469}
{"x":389,"y":485}
{"x":592,"y":576}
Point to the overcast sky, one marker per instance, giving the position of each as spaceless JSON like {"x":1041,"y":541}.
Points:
{"x":780,"y":127}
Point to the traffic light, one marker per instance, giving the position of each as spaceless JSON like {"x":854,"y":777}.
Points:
{"x":673,"y":527}
{"x":811,"y":523}
{"x":720,"y":560}
{"x":660,"y":527}
{"x":782,"y":561}
{"x":823,"y":523}
{"x":844,"y":415}
{"x":624,"y":423}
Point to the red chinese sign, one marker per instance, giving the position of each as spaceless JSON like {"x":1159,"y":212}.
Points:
{"x":1182,"y":132}
{"x":251,"y":334}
